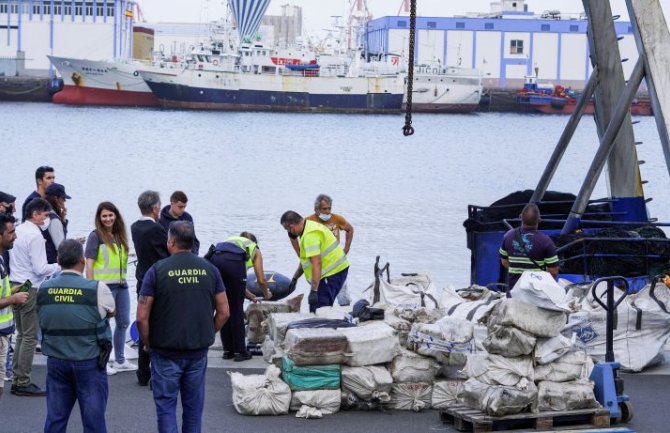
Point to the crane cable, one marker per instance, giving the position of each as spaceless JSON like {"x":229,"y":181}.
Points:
{"x":408,"y":129}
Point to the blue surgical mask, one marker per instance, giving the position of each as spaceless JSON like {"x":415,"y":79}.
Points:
{"x":324,"y":217}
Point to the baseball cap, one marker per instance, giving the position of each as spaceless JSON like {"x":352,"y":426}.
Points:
{"x":58,"y":190}
{"x":6,"y":198}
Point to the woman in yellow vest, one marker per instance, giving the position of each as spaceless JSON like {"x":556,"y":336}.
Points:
{"x":233,"y":258}
{"x":107,"y":261}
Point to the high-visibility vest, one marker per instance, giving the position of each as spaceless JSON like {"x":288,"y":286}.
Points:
{"x":249,"y":247}
{"x":6,"y":314}
{"x":333,"y":259}
{"x":111,"y":264}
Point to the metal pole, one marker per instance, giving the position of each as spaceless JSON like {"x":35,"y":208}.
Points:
{"x":611,"y":308}
{"x":564,"y":141}
{"x":605,"y":148}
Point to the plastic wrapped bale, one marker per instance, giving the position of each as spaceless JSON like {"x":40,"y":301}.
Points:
{"x":527,"y":317}
{"x":564,"y":396}
{"x":409,"y":366}
{"x":268,"y":349}
{"x":426,"y":339}
{"x":401,"y":326}
{"x":327,"y":401}
{"x":370,"y":344}
{"x":278,"y":322}
{"x":550,"y":349}
{"x":541,"y":289}
{"x":509,"y":341}
{"x":256,"y":313}
{"x":367,"y":383}
{"x":446,"y":393}
{"x":307,"y":378}
{"x":641,"y":328}
{"x":260,"y":394}
{"x":472,"y":304}
{"x":415,"y":314}
{"x":456,"y":330}
{"x":498,"y":370}
{"x":335,"y":312}
{"x":571,"y":366}
{"x":307,"y":346}
{"x":497,"y":400}
{"x":411,"y":396}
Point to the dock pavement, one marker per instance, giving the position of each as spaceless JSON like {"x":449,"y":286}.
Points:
{"x":131,"y":409}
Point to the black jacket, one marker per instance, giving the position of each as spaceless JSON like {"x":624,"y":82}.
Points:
{"x":150,"y":241}
{"x":166,"y":219}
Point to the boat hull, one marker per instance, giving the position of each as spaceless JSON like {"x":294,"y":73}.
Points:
{"x":253,"y":92}
{"x":91,"y":82}
{"x":558,"y":105}
{"x":443,"y":108}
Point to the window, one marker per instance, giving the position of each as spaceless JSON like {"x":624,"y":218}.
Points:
{"x":68,"y":9}
{"x":77,"y":9}
{"x":574,"y":28}
{"x":545,"y":27}
{"x":14,"y":8}
{"x":431,"y":24}
{"x":99,"y":11}
{"x":488,"y":26}
{"x":110,"y":11}
{"x":36,"y":8}
{"x":3,"y":8}
{"x":47,"y":9}
{"x":402,"y":24}
{"x":89,"y":9}
{"x":58,"y":9}
{"x":460,"y":25}
{"x":516,"y":46}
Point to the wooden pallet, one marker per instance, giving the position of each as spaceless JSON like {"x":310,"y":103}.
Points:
{"x":472,"y":420}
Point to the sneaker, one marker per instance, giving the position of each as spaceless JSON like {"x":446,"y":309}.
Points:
{"x":110,"y":370}
{"x":240,"y":357}
{"x":125,"y":366}
{"x":228,"y":355}
{"x":31,"y":390}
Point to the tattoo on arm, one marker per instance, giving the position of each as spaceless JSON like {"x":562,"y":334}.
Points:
{"x":142,"y":299}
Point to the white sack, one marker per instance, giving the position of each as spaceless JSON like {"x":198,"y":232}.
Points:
{"x":326,"y":400}
{"x":309,"y":412}
{"x":571,"y":366}
{"x":550,"y":349}
{"x":278,"y":322}
{"x":414,"y":314}
{"x":498,"y":370}
{"x":497,"y":400}
{"x":411,"y":396}
{"x":409,"y":366}
{"x":540,"y":289}
{"x":456,"y":330}
{"x":372,"y":343}
{"x":367,"y":383}
{"x":509,"y":341}
{"x":260,"y":394}
{"x":553,"y":396}
{"x":401,"y":326}
{"x":635,"y":349}
{"x":445,"y":393}
{"x":268,"y":349}
{"x":409,"y":290}
{"x":258,"y":312}
{"x":527,"y":317}
{"x":336,"y":312}
{"x":473,"y":304}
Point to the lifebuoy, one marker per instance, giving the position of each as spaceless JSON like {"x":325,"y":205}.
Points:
{"x":215,"y":62}
{"x":136,"y":73}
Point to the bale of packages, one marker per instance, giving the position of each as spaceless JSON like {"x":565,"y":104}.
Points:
{"x":446,"y":393}
{"x":277,"y":323}
{"x":256,"y":313}
{"x":409,"y":366}
{"x":571,"y":366}
{"x":310,"y":377}
{"x":260,"y":394}
{"x":509,"y":341}
{"x":307,"y":346}
{"x":401,"y":326}
{"x":337,"y":312}
{"x":415,"y":314}
{"x":411,"y":396}
{"x":367,"y":383}
{"x":550,"y":349}
{"x":527,"y":317}
{"x":473,"y":304}
{"x":564,"y":396}
{"x":497,"y":400}
{"x":371,"y":343}
{"x":327,"y":401}
{"x":426,"y":339}
{"x":499,"y":370}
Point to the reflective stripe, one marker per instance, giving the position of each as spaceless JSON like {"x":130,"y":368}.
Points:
{"x":312,"y":248}
{"x":248,"y":246}
{"x":317,"y":236}
{"x":6,"y":314}
{"x":334,"y":265}
{"x":307,"y":263}
{"x":110,"y":266}
{"x":330,"y":248}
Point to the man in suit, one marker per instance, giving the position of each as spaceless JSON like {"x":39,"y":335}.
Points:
{"x":150,"y":241}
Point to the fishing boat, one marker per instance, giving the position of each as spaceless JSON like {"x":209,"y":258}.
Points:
{"x":558,"y":99}
{"x":251,"y":80}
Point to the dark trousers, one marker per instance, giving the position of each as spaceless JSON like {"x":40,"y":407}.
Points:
{"x":234,"y":275}
{"x":328,"y":289}
{"x":143,"y":361}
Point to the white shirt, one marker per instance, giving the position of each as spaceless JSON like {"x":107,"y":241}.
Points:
{"x":28,"y":258}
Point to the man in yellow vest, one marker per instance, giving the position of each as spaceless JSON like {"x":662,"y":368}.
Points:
{"x":322,"y":259}
{"x":7,"y":299}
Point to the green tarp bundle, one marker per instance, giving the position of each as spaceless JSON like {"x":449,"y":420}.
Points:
{"x":310,"y":377}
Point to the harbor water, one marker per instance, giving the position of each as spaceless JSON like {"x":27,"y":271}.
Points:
{"x":406,"y":197}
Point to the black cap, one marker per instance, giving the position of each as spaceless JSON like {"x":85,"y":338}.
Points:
{"x":58,"y":190}
{"x":6,"y":198}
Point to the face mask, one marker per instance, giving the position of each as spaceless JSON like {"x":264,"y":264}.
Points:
{"x":45,"y":224}
{"x":324,"y":217}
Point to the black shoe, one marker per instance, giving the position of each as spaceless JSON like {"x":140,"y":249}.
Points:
{"x":31,"y":390}
{"x":245,"y":356}
{"x":228,"y":355}
{"x":12,"y":390}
